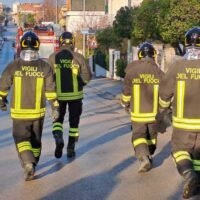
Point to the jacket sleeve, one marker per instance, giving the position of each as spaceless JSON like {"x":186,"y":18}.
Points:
{"x":51,"y":61}
{"x":166,"y":89}
{"x":85,"y":71}
{"x":6,"y":80}
{"x":126,"y":92}
{"x":50,"y":87}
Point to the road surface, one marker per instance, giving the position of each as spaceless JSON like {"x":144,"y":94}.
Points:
{"x":105,"y":167}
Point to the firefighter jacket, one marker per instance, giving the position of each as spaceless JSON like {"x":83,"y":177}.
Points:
{"x":180,"y":88}
{"x":140,"y":90}
{"x":72,"y":73}
{"x":32,"y":83}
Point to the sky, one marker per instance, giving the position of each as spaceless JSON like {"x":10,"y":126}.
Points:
{"x":10,"y":2}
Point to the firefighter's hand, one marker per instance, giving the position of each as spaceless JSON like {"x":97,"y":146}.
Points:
{"x":3,"y":102}
{"x":163,"y":120}
{"x":55,"y":114}
{"x":127,"y":109}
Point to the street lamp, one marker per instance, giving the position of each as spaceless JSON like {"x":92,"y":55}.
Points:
{"x":84,"y":27}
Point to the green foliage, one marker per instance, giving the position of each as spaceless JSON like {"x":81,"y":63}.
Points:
{"x":30,"y":18}
{"x":165,"y":20}
{"x":120,"y":67}
{"x":123,"y":22}
{"x":107,"y":39}
{"x":182,"y":15}
{"x":144,"y":27}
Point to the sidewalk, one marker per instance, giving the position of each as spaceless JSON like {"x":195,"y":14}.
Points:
{"x":108,"y":86}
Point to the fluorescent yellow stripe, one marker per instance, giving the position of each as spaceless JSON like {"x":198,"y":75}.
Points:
{"x":27,"y":116}
{"x":150,"y":142}
{"x":57,"y":129}
{"x":196,"y":168}
{"x":74,"y":77}
{"x":125,"y":98}
{"x":73,"y":129}
{"x":39,"y":85}
{"x":143,"y":115}
{"x":3,"y":93}
{"x":139,"y":141}
{"x":196,"y":162}
{"x":23,"y":144}
{"x":155,"y":103}
{"x":57,"y":124}
{"x":180,"y":98}
{"x":24,"y":149}
{"x":73,"y":134}
{"x":136,"y":101}
{"x":58,"y":80}
{"x":179,"y":153}
{"x":164,"y":104}
{"x":183,"y":157}
{"x":147,"y":119}
{"x":186,"y":120}
{"x":50,"y":95}
{"x":186,"y":126}
{"x":27,"y":111}
{"x":18,"y":92}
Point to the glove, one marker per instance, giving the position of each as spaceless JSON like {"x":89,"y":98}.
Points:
{"x":127,"y":109}
{"x":3,"y":102}
{"x":126,"y":106}
{"x":163,"y":120}
{"x":55,"y":110}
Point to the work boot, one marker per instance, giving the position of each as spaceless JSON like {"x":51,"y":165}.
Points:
{"x":145,"y":164}
{"x":190,"y":184}
{"x":71,"y":147}
{"x":59,"y":144}
{"x":29,"y":171}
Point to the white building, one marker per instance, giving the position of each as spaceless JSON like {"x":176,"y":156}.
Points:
{"x":99,"y":13}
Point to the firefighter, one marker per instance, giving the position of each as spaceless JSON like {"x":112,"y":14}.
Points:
{"x":32,"y":82}
{"x":140,"y":96}
{"x":180,"y":88}
{"x":72,"y":74}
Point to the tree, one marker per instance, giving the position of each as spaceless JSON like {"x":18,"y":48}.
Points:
{"x":144,"y":23}
{"x":182,"y":15}
{"x":50,"y":9}
{"x":123,"y":22}
{"x":107,"y":38}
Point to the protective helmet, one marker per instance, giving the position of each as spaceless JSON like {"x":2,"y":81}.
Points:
{"x":146,"y":50}
{"x":30,"y":41}
{"x":192,"y":37}
{"x":66,"y":38}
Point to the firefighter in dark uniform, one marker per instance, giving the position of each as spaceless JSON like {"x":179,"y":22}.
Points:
{"x":140,"y":95}
{"x":72,"y":74}
{"x":180,"y":88}
{"x":32,"y":81}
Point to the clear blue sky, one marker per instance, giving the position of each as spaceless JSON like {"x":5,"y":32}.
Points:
{"x":10,"y":2}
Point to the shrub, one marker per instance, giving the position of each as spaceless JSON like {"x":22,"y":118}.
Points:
{"x":120,"y":67}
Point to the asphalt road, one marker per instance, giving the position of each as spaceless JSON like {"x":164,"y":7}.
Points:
{"x":104,"y":168}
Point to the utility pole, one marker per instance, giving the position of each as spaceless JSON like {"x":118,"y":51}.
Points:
{"x":56,"y":11}
{"x":84,"y":28}
{"x":129,"y":50}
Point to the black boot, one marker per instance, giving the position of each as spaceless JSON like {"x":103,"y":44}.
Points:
{"x":190,"y":184}
{"x":145,"y":164}
{"x":29,"y":171}
{"x":71,"y":147}
{"x":59,"y":144}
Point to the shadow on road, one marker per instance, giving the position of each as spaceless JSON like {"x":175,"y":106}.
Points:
{"x":59,"y":164}
{"x":162,"y":155}
{"x":88,"y":188}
